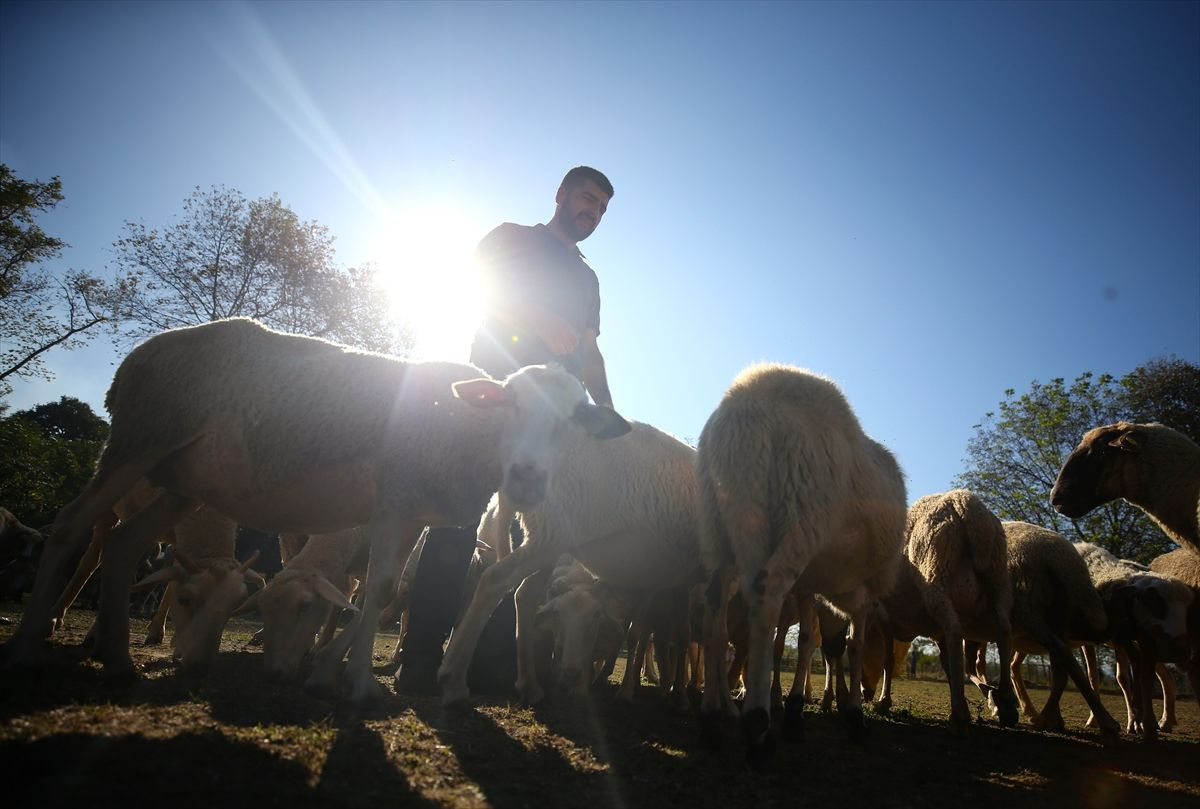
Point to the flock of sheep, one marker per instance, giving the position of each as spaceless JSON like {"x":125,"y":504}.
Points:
{"x":786,"y":513}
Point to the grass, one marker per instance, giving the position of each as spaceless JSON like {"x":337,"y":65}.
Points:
{"x":230,"y":738}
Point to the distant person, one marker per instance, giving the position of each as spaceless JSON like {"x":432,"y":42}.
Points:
{"x":544,"y":307}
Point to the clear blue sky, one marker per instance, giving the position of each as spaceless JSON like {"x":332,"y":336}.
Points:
{"x":927,"y":202}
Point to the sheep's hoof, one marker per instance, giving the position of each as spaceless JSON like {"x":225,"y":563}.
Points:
{"x":856,"y":725}
{"x":678,"y":703}
{"x":418,"y":675}
{"x":256,"y":639}
{"x":711,"y":731}
{"x":1006,"y":711}
{"x":827,"y":703}
{"x":959,"y":726}
{"x":119,"y":675}
{"x":793,"y":720}
{"x":1110,"y":736}
{"x":883,"y":706}
{"x":760,"y":744}
{"x":153,"y":639}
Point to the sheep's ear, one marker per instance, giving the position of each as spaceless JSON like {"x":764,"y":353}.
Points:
{"x":168,"y":574}
{"x":249,"y":605}
{"x":481,"y":392}
{"x":332,"y":594}
{"x":1128,"y":441}
{"x":599,"y":421}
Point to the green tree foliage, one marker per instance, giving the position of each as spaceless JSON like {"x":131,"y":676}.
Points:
{"x":47,"y":456}
{"x":1015,"y":453}
{"x":228,"y":256}
{"x":40,"y":309}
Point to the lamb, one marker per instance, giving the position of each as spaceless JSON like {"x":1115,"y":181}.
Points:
{"x":205,"y":583}
{"x":1054,"y":602}
{"x":954,"y":585}
{"x":792,"y":493}
{"x":624,"y":508}
{"x":365,"y":440}
{"x":307,"y":596}
{"x":1182,"y":565}
{"x":1151,"y":465}
{"x":1147,"y":622}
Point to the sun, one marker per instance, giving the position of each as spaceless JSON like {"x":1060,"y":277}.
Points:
{"x":424,"y":264}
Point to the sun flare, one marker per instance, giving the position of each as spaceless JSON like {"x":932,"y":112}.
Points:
{"x":424,"y":265}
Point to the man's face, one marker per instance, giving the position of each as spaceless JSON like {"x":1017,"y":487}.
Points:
{"x":581,"y":208}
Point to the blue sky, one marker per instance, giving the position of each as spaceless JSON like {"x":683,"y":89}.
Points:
{"x":927,"y":202}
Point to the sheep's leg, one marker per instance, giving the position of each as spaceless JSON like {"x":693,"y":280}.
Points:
{"x":124,"y":548}
{"x":807,"y":639}
{"x":1051,"y":717}
{"x":716,"y":704}
{"x":527,"y":599}
{"x":677,"y":698}
{"x":639,"y":641}
{"x":1018,"y":681}
{"x":950,"y":650}
{"x":493,"y":584}
{"x":857,"y":608}
{"x":1064,"y":663}
{"x":83,"y":571}
{"x":1167,"y":682}
{"x":777,"y":666}
{"x":883,"y":705}
{"x":1093,"y":674}
{"x":72,"y":530}
{"x":158,"y":624}
{"x":764,"y":596}
{"x":1143,"y":689}
{"x":391,"y":540}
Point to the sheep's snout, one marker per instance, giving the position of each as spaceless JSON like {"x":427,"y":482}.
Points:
{"x":526,"y":484}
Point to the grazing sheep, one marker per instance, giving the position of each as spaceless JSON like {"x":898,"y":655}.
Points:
{"x":624,"y":508}
{"x":363,"y":440}
{"x":307,"y":596}
{"x":1151,"y":465}
{"x":205,"y":583}
{"x":793,"y":494}
{"x":587,"y":623}
{"x":953,"y":585}
{"x":1182,"y":565}
{"x":1054,"y":603}
{"x":1147,"y":623}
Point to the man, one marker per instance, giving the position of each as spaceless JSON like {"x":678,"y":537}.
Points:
{"x":544,"y":307}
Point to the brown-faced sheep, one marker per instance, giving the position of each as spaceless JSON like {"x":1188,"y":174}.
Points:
{"x":1054,"y":604}
{"x":793,"y":494}
{"x":362,"y":440}
{"x":625,"y":509}
{"x":1151,"y":465}
{"x":953,"y":585}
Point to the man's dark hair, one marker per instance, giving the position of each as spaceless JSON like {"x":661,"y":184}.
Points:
{"x":577,"y":175}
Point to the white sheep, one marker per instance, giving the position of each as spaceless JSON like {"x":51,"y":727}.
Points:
{"x":307,"y":597}
{"x":1147,"y":623}
{"x":1054,"y":604}
{"x":953,"y":586}
{"x":624,"y":508}
{"x":359,"y":439}
{"x":792,"y":494}
{"x":1182,"y":565}
{"x":1151,"y":465}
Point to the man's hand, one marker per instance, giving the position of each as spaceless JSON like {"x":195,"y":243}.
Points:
{"x":556,"y":333}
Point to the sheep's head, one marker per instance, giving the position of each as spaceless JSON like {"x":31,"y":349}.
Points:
{"x":294,"y":607}
{"x":202,"y":600}
{"x":587,"y":627}
{"x":544,"y":401}
{"x":1098,"y":470}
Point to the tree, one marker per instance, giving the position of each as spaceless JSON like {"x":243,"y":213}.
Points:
{"x":40,"y":310}
{"x":1164,"y":390}
{"x":47,"y":456}
{"x":229,"y":256}
{"x":1014,"y":455}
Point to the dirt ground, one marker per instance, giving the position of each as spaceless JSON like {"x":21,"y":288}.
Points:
{"x":230,"y":738}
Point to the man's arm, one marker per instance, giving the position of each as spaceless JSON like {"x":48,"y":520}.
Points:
{"x":595,"y":378}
